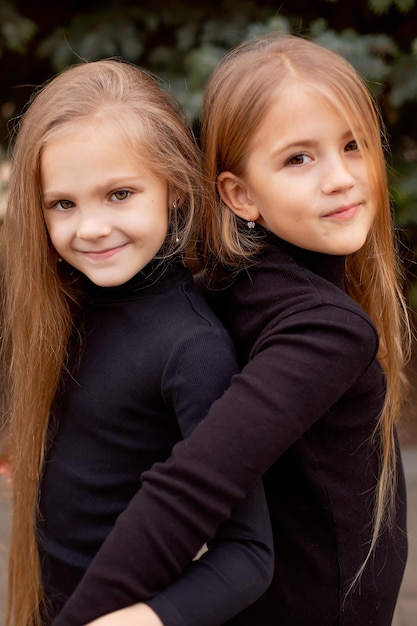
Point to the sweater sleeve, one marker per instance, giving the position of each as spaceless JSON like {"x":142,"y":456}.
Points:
{"x":238,"y":565}
{"x":214,"y":588}
{"x":295,"y":374}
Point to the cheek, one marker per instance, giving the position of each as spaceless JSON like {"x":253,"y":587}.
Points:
{"x":54,"y":234}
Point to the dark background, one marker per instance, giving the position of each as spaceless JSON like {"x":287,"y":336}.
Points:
{"x":182,"y":41}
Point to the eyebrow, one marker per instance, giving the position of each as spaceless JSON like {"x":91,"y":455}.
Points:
{"x":116,"y":182}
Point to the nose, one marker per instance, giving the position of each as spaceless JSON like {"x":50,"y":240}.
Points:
{"x":337,"y":176}
{"x":93,"y":223}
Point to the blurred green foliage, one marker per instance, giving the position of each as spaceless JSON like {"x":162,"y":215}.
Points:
{"x":182,"y":42}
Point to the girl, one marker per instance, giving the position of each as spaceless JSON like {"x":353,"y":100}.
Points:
{"x":112,"y":354}
{"x":301,"y":265}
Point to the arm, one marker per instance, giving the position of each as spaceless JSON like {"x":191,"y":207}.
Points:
{"x":211,"y":588}
{"x":238,"y":566}
{"x":297,"y":373}
{"x":214,"y":588}
{"x":135,"y":615}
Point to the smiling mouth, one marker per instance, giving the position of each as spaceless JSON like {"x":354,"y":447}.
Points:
{"x":344,"y":212}
{"x":102,"y":254}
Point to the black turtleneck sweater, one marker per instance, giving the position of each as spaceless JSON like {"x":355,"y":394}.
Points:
{"x":154,"y":358}
{"x":303,"y":411}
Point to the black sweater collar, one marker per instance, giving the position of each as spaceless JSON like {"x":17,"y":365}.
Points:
{"x":328,"y":266}
{"x":152,"y":278}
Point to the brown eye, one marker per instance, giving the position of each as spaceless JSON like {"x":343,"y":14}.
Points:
{"x":352,"y":146}
{"x":64,"y":205}
{"x":121,"y":194}
{"x":298,"y":159}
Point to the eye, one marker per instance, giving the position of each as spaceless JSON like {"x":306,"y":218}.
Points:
{"x":64,"y":205}
{"x":298,"y":159}
{"x":121,"y":194}
{"x":352,"y":146}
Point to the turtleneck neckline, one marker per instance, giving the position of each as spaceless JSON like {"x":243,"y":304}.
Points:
{"x":328,"y":266}
{"x":148,"y":278}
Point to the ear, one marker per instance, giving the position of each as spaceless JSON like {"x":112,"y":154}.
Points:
{"x":235,"y":195}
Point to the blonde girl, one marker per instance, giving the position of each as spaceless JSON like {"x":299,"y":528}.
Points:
{"x":109,"y":354}
{"x":302,"y":266}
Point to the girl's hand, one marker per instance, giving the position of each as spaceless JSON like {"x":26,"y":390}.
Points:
{"x":136,"y":615}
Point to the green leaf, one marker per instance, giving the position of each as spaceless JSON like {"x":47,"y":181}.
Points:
{"x":15,"y":31}
{"x":405,"y":5}
{"x":382,"y":6}
{"x":404,"y":81}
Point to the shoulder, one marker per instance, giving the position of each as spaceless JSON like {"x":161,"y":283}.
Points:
{"x":167,"y":307}
{"x":285,"y":285}
{"x":279,"y":296}
{"x":186,"y":325}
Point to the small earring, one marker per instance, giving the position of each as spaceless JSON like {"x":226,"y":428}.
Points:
{"x":175,"y":207}
{"x":59,"y":259}
{"x":250,"y":225}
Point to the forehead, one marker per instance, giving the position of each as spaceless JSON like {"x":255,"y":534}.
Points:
{"x":90,"y":134}
{"x":107,"y":125}
{"x":292,"y":98}
{"x":298,"y":111}
{"x":84,"y":158}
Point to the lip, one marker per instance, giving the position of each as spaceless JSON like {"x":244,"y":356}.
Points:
{"x":102,"y":255}
{"x":345,"y":212}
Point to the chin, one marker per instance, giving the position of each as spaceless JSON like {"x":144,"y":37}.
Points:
{"x":105,"y":282}
{"x":350,"y":248}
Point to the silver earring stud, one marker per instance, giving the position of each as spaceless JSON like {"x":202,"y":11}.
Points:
{"x":250,"y":224}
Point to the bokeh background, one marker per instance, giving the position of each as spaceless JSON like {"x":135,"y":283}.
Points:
{"x":181,"y":42}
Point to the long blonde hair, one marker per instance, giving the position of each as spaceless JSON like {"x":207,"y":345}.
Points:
{"x":238,"y":95}
{"x":40,"y":299}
